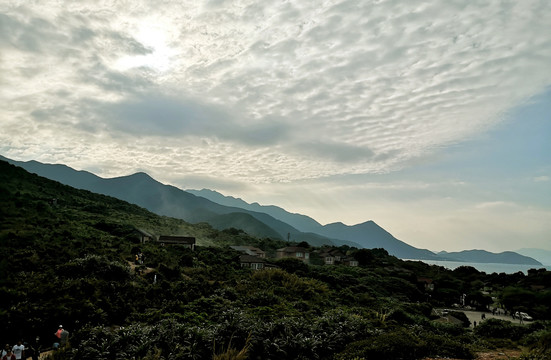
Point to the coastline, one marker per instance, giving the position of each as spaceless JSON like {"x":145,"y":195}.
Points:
{"x":485,"y":267}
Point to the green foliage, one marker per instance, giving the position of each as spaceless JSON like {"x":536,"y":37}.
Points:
{"x":539,"y":343}
{"x":460,"y":315}
{"x":292,"y":265}
{"x":517,"y":299}
{"x":68,"y":263}
{"x":396,"y":344}
{"x":500,"y":329}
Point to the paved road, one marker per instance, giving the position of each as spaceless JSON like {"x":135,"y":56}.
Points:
{"x":477,"y":316}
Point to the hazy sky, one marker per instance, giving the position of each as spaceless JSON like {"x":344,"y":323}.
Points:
{"x":432,"y":118}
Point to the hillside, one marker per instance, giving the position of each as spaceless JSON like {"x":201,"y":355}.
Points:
{"x":367,"y":235}
{"x":257,"y":220}
{"x":142,"y":190}
{"x":541,"y":255}
{"x":66,"y":255}
{"x":300,"y":222}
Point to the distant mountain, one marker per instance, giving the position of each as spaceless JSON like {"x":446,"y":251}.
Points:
{"x":543,"y":256}
{"x":301,"y":222}
{"x":368,"y":234}
{"x":257,"y":220}
{"x":168,"y":200}
{"x":483,"y":256}
{"x":142,"y":190}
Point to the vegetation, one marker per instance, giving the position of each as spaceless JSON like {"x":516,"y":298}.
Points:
{"x":70,"y":261}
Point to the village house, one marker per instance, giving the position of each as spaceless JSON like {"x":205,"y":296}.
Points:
{"x":143,"y":235}
{"x":348,"y":261}
{"x":427,"y":283}
{"x":252,"y":261}
{"x":296,"y":252}
{"x":185,"y":241}
{"x":332,"y":256}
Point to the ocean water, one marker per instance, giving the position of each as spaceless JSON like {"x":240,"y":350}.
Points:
{"x":488,"y":268}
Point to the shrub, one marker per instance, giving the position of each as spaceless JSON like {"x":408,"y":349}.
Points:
{"x":446,"y":346}
{"x":460,"y":315}
{"x":396,"y":344}
{"x":500,"y":329}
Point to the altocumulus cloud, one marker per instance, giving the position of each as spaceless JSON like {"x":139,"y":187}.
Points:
{"x":158,"y":115}
{"x":268,"y":91}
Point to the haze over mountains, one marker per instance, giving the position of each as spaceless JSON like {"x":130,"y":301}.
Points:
{"x":224,"y":212}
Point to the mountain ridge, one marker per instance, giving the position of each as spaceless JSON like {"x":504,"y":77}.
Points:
{"x":143,"y":190}
{"x":476,"y":255}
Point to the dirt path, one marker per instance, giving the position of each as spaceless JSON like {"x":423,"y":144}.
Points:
{"x":490,"y":355}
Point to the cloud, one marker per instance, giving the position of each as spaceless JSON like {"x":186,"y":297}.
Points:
{"x":494,"y":205}
{"x":275,"y":91}
{"x":154,"y":114}
{"x":541,"y":178}
{"x":337,"y":152}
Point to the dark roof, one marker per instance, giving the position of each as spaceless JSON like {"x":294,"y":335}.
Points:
{"x":251,"y":250}
{"x":292,"y":249}
{"x":177,"y":239}
{"x":143,"y":232}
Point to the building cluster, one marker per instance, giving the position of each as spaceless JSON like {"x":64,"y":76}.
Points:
{"x":255,"y":258}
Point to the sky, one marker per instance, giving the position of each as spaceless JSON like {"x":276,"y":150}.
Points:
{"x":431,"y":118}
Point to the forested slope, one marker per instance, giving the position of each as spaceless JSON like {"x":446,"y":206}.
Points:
{"x":68,"y":261}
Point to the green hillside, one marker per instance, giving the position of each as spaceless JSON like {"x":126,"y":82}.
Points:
{"x":67,"y":259}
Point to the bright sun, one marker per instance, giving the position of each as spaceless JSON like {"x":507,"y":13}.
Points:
{"x":154,"y":38}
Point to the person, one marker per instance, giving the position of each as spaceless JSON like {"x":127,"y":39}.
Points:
{"x":9,"y":355}
{"x":33,"y":349}
{"x":58,"y":336}
{"x":64,"y":339}
{"x":19,"y":350}
{"x":5,"y":350}
{"x":58,"y":332}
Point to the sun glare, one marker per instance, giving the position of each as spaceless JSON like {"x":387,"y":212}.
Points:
{"x":154,"y":38}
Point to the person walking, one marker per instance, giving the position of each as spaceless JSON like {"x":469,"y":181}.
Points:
{"x":9,"y":355}
{"x":5,"y":350}
{"x":58,"y":336}
{"x":64,"y":338}
{"x":19,"y":350}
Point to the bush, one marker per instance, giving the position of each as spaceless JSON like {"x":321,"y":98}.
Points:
{"x":396,"y":344}
{"x":460,"y":315}
{"x":539,"y":343}
{"x":499,"y":329}
{"x":446,"y":346}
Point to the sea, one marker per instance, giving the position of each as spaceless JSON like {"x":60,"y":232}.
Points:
{"x":488,"y":268}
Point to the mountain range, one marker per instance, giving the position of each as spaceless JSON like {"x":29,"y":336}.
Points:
{"x":224,"y":212}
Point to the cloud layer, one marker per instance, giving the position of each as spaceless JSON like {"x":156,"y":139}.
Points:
{"x":264,"y":92}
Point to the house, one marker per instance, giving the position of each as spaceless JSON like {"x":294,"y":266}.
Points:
{"x":348,"y":261}
{"x":143,"y":235}
{"x":185,"y":241}
{"x":427,"y":283}
{"x":252,"y":261}
{"x":250,"y":250}
{"x":296,"y":252}
{"x":331,"y":256}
